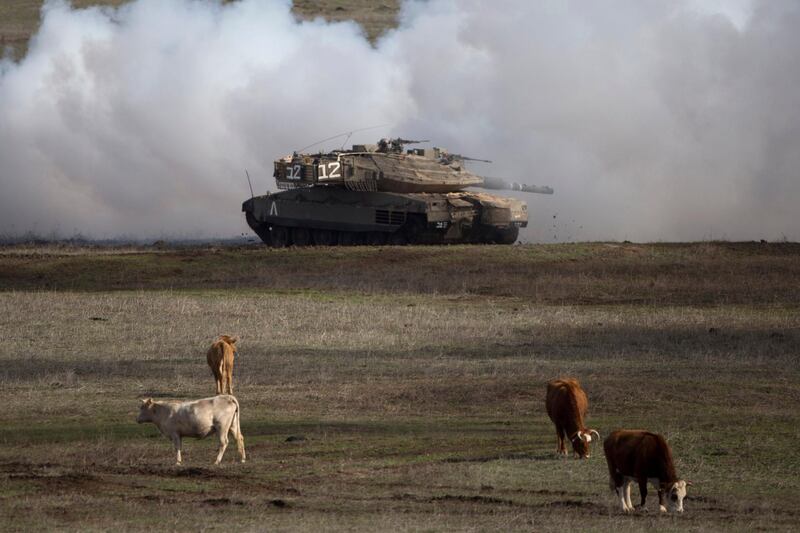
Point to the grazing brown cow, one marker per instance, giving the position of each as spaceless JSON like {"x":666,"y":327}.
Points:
{"x":567,"y":405}
{"x":220,"y":358}
{"x":642,"y":456}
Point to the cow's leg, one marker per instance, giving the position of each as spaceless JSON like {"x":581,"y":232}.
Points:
{"x":223,"y":444}
{"x":628,"y":485}
{"x":643,"y":491}
{"x":561,"y":449}
{"x":176,"y":441}
{"x":240,"y":447}
{"x":661,"y":506}
{"x":624,"y":493}
{"x":229,"y":377}
{"x":237,"y":435}
{"x":619,"y":487}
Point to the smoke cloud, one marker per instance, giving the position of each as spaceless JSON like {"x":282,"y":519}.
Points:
{"x":652,"y":120}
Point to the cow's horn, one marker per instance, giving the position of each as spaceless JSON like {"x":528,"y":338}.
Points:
{"x":595,"y":432}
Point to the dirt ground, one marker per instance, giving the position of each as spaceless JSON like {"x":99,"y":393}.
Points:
{"x":401,"y":390}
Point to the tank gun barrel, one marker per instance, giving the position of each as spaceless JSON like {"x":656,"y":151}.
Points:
{"x":457,"y":157}
{"x":501,"y":184}
{"x":409,"y":141}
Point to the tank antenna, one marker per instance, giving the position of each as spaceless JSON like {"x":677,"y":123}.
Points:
{"x":345,"y":140}
{"x":348,"y":133}
{"x":249,"y":183}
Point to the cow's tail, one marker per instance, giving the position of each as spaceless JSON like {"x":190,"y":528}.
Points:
{"x":222,"y":371}
{"x":235,"y":425}
{"x":237,"y":431}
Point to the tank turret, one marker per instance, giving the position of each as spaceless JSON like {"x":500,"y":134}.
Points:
{"x":385,"y":193}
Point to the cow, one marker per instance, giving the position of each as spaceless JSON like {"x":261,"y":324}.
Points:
{"x":642,"y":456}
{"x":220,"y":358}
{"x":198,"y":418}
{"x":567,"y":405}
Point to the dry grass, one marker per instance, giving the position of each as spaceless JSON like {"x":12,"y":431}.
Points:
{"x":572,"y":274}
{"x":19,"y":19}
{"x":418,"y":409}
{"x":375,"y":16}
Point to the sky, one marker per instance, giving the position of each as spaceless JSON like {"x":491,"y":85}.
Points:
{"x":652,"y":120}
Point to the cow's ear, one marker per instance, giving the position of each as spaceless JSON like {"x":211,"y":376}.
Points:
{"x":234,"y":339}
{"x":689,"y":483}
{"x":147,"y":401}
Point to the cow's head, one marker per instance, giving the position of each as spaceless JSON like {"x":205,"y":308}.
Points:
{"x":676,"y":492}
{"x":146,"y":411}
{"x":229,"y":339}
{"x":581,"y":440}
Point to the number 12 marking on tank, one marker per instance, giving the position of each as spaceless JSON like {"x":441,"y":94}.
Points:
{"x":293,"y":172}
{"x":330,"y":170}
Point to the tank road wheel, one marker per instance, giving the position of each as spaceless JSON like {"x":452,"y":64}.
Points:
{"x":415,"y":229}
{"x":376,"y":238}
{"x":324,"y":237}
{"x":347,"y":238}
{"x":398,"y":238}
{"x":280,"y":237}
{"x":301,"y":236}
{"x":508,"y":235}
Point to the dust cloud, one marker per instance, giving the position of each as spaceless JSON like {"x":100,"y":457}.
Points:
{"x":652,"y":120}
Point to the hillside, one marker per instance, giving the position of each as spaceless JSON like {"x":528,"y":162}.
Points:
{"x":19,"y":19}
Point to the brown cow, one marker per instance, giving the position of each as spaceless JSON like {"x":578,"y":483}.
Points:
{"x":220,"y":358}
{"x":567,"y":405}
{"x":642,"y":456}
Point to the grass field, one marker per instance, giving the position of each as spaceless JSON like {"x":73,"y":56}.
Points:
{"x":412,"y":380}
{"x":19,"y":19}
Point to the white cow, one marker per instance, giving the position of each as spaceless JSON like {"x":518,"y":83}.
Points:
{"x":198,"y":418}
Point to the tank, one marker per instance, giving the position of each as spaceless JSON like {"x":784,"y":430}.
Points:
{"x":385,"y":194}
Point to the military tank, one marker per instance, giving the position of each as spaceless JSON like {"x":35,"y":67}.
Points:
{"x":385,"y":194}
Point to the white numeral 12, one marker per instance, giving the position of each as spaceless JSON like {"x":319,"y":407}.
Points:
{"x":330,"y":170}
{"x":293,"y":173}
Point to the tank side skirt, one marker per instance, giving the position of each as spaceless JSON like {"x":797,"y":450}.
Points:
{"x":422,"y":218}
{"x":332,"y":210}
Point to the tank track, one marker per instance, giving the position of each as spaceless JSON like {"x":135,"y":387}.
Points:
{"x":284,"y":236}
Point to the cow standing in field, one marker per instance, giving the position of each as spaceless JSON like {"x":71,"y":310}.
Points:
{"x":220,"y":358}
{"x":642,"y":456}
{"x":567,"y":405}
{"x":198,"y":419}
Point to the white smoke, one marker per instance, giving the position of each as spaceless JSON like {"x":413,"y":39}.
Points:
{"x":652,"y":120}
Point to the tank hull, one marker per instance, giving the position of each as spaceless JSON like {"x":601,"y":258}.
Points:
{"x":320,"y":215}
